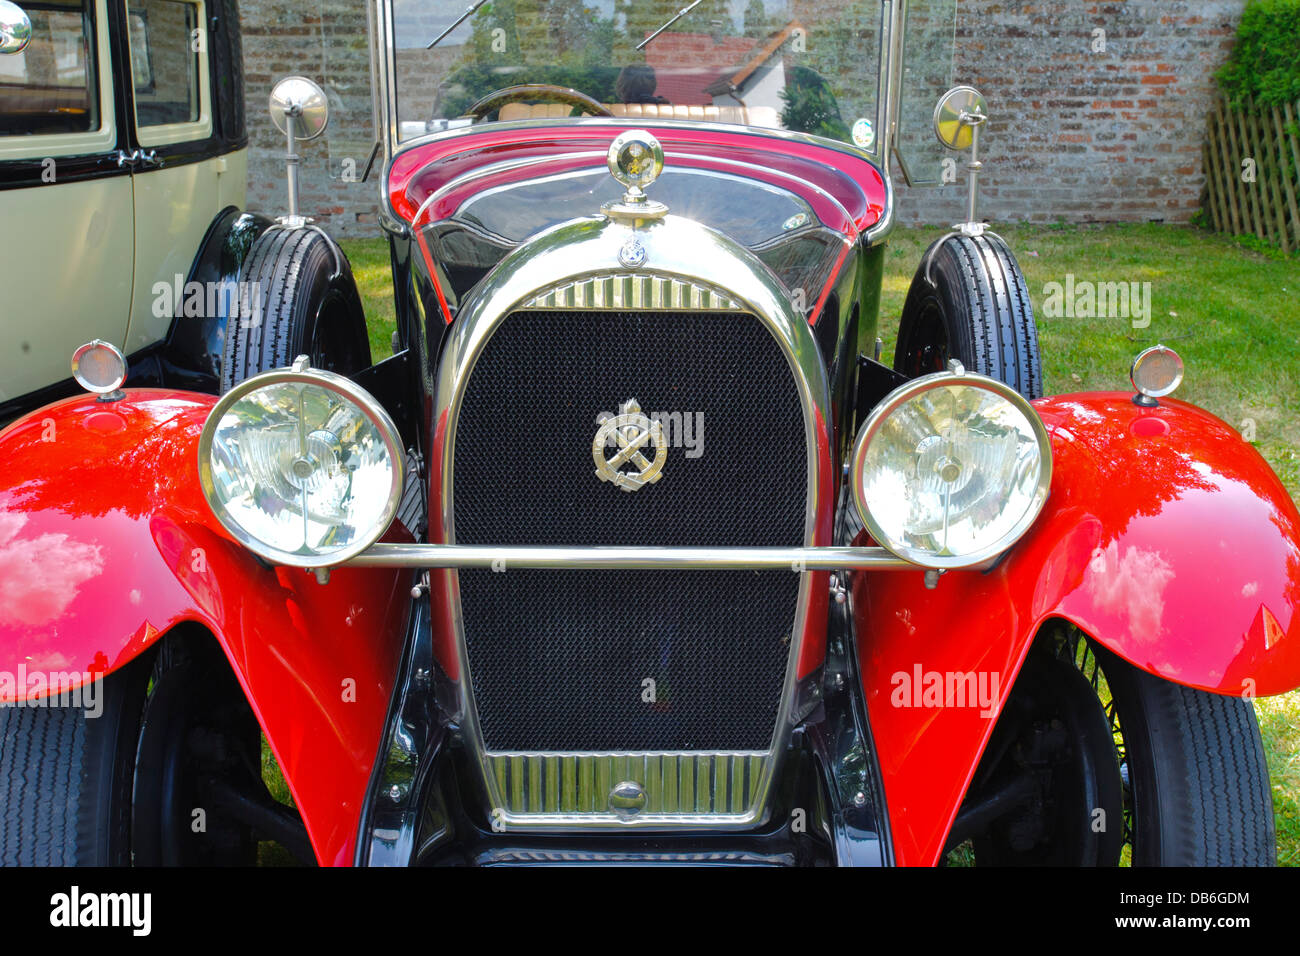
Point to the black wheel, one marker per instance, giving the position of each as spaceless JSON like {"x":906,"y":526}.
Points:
{"x":198,"y":745}
{"x":159,"y":767}
{"x":968,"y":301}
{"x":1097,"y":763}
{"x":303,"y":301}
{"x":1054,"y":785}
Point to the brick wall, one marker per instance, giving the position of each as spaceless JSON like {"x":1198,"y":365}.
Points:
{"x":1087,"y":136}
{"x":1077,"y":133}
{"x":326,"y":41}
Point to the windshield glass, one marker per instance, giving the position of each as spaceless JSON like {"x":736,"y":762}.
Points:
{"x":805,"y":65}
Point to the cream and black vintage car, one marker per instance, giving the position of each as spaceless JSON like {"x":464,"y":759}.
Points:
{"x":123,"y":177}
{"x":634,"y":550}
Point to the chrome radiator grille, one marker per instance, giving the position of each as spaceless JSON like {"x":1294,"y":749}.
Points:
{"x":674,"y":678}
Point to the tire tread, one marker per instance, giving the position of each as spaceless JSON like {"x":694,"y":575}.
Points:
{"x":1218,"y":762}
{"x":284,"y":265}
{"x":41,"y":780}
{"x":1210,"y":803}
{"x":977,"y":285}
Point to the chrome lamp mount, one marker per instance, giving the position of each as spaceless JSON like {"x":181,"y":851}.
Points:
{"x":300,"y":110}
{"x":958,"y":118}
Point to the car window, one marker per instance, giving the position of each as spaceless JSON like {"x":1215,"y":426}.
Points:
{"x":168,"y":54}
{"x":801,"y":65}
{"x":928,"y":70}
{"x":52,"y":85}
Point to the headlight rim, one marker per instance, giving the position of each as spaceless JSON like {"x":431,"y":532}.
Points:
{"x":910,"y":390}
{"x":103,"y":391}
{"x":369,"y":406}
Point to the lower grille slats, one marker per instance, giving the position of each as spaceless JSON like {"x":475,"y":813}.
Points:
{"x":675,"y":784}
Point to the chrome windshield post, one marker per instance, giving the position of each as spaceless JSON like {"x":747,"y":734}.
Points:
{"x":893,"y":20}
{"x":383,"y":84}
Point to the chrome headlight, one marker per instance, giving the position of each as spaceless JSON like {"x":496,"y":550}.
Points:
{"x":951,"y":469}
{"x":301,"y":466}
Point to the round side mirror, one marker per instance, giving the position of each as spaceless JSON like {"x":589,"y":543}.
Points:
{"x":302,"y":99}
{"x":15,"y":27}
{"x":954,"y":117}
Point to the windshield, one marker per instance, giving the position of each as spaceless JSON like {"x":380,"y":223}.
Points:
{"x":805,"y":65}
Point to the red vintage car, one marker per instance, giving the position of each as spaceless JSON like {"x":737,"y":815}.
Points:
{"x":634,"y":551}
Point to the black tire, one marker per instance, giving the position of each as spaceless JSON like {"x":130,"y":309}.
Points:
{"x":1196,"y":767}
{"x":65,"y":778}
{"x":1193,"y":785}
{"x":974,"y":307}
{"x":306,"y":303}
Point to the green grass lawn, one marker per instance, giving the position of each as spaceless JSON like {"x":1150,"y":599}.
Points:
{"x":374,"y":274}
{"x":1230,"y":310}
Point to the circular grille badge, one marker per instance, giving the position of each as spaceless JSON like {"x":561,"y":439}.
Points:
{"x":632,"y":253}
{"x":627,"y":433}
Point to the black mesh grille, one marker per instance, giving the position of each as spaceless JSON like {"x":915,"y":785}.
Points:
{"x":558,"y":658}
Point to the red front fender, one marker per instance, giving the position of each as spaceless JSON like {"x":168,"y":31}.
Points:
{"x":106,"y":543}
{"x":1166,"y":538}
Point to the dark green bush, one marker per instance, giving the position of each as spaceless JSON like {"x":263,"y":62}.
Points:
{"x":810,"y":106}
{"x":1264,"y":66}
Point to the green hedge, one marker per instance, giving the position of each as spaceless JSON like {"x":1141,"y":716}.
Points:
{"x":1264,"y":66}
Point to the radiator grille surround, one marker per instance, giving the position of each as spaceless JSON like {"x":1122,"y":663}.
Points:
{"x":552,"y":665}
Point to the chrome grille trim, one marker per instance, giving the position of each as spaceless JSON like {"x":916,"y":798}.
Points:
{"x":635,"y":291}
{"x":794,"y":560}
{"x":605,"y":858}
{"x":680,"y":787}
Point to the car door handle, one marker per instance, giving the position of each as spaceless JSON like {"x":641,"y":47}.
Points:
{"x":139,"y":158}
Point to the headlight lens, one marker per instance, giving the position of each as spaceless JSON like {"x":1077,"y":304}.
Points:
{"x":951,"y":469}
{"x":301,"y":466}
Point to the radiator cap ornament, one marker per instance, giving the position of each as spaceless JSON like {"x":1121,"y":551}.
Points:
{"x":629,"y":432}
{"x":635,"y":159}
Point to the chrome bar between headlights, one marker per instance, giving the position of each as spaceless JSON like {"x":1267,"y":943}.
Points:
{"x":717,"y":559}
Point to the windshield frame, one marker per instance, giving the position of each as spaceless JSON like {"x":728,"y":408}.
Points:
{"x":383,"y":52}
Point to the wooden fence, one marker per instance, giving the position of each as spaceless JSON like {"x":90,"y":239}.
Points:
{"x":1252,"y":172}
